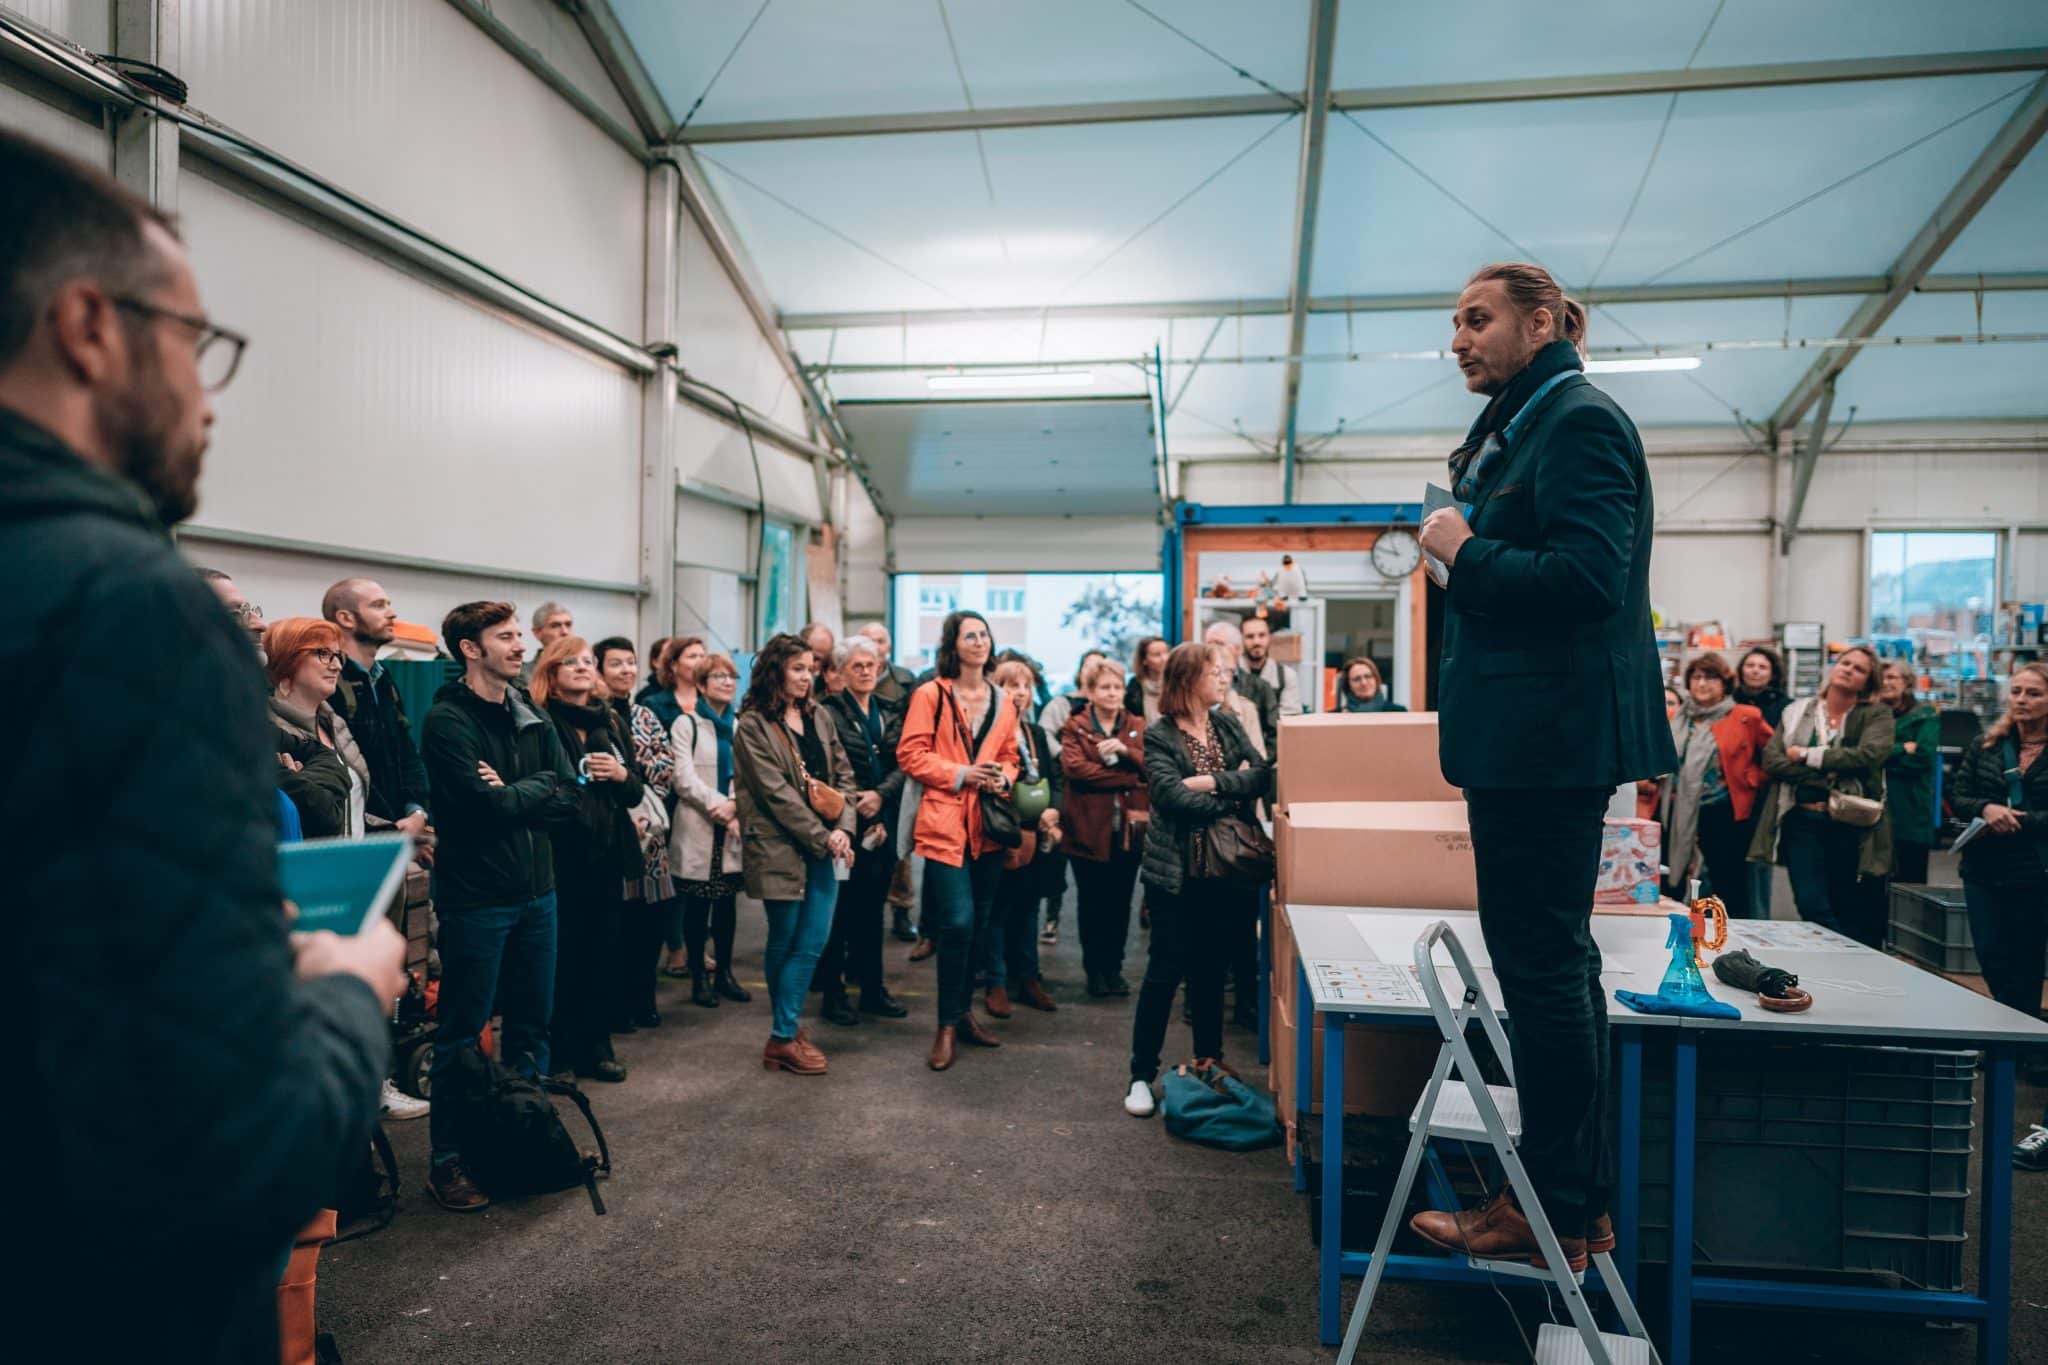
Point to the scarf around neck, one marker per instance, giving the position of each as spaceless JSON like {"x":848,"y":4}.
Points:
{"x":1692,"y":731}
{"x":721,"y":725}
{"x":307,"y":726}
{"x":1483,"y":444}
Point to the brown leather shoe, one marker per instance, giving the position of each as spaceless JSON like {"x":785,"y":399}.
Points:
{"x":942,"y":1048}
{"x":924,"y":949}
{"x":793,"y":1056}
{"x":975,"y":1033}
{"x":1495,"y":1231}
{"x":455,"y":1191}
{"x":1600,"y":1236}
{"x":999,"y":1002}
{"x":1032,"y":992}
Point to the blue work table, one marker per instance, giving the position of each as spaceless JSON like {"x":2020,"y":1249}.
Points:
{"x":1860,"y":996}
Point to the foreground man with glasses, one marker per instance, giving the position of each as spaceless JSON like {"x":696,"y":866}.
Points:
{"x":193,"y":1073}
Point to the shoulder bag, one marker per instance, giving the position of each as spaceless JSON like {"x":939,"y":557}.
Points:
{"x":999,"y":823}
{"x":1846,"y":808}
{"x":1238,"y":849}
{"x":825,"y":799}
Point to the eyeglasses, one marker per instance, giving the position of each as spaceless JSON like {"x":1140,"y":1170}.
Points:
{"x":248,"y":613}
{"x":723,"y":677}
{"x":327,"y":656}
{"x":218,"y":352}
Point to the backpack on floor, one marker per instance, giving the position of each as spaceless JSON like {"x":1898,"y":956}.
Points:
{"x":509,"y":1133}
{"x":1216,"y":1109}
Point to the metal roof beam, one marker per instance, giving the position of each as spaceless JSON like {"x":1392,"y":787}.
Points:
{"x":1322,"y":42}
{"x":607,"y":38}
{"x":1409,"y":303}
{"x":1387,"y":97}
{"x":1971,"y":193}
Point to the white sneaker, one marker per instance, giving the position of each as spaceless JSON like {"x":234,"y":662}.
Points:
{"x":399,"y":1105}
{"x":1138,"y":1104}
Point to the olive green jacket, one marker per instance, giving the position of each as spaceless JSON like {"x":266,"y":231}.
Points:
{"x":778,"y":828}
{"x":1854,"y":764}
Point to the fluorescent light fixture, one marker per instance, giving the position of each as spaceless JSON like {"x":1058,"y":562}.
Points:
{"x":1013,"y":379}
{"x":1656,"y":364}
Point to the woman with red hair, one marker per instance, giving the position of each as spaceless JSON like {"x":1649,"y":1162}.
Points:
{"x":325,"y":774}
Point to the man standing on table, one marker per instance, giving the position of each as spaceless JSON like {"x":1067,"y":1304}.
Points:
{"x":1550,"y":696}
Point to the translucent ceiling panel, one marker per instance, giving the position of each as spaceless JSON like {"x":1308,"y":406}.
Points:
{"x":1555,"y":178}
{"x":816,"y":58}
{"x":1906,"y":383}
{"x":1105,"y":381}
{"x":1223,"y":396}
{"x":1072,"y":220}
{"x":2009,"y":234}
{"x":1408,"y":42}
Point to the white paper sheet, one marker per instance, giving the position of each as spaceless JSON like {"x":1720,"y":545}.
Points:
{"x":1434,"y":497}
{"x":1788,"y":936}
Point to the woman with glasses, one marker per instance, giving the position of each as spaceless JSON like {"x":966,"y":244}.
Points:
{"x":959,"y":743}
{"x":324,"y":773}
{"x":597,"y":857}
{"x":704,"y":838}
{"x":647,"y":922}
{"x":1201,"y":767}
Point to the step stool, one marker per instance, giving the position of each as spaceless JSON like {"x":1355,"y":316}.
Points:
{"x":1472,"y":1111}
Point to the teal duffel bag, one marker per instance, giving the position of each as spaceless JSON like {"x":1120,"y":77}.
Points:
{"x":1216,"y":1109}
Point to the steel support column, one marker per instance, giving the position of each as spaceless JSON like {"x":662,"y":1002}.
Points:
{"x":1989,"y":171}
{"x":658,"y":501}
{"x":1315,"y":118}
{"x":145,"y":145}
{"x":1804,"y":459}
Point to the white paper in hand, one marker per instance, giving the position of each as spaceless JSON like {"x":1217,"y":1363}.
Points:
{"x":1434,"y":497}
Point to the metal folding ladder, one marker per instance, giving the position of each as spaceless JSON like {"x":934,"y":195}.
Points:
{"x":1478,"y":1112}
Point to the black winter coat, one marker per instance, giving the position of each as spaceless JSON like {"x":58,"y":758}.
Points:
{"x":1550,"y":603}
{"x":598,"y":852}
{"x":874,"y":769}
{"x":180,"y":1092}
{"x":1178,"y":812}
{"x":376,"y":717}
{"x":2002,"y":859}
{"x":492,"y":842}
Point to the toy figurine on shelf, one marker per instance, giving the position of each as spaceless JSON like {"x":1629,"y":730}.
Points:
{"x":1221,"y":587}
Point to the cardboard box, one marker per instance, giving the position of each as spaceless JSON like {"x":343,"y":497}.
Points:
{"x":1285,"y":982}
{"x":1630,"y":854}
{"x":1385,"y":1069}
{"x":1410,"y":854}
{"x":1384,"y":757}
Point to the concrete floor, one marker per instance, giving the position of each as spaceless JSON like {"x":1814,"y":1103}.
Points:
{"x":1007,"y":1209}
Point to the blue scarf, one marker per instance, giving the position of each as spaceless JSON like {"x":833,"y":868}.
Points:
{"x":722,"y":722}
{"x":1474,"y":462}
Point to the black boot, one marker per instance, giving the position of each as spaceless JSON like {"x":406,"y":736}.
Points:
{"x":836,"y":1009}
{"x":729,"y":988}
{"x":1098,"y":985}
{"x":899,"y":925}
{"x":879,"y":1001}
{"x":700,"y":987}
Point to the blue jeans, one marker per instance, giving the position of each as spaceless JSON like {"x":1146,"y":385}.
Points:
{"x":957,"y":902}
{"x":797,"y":931}
{"x":496,"y":958}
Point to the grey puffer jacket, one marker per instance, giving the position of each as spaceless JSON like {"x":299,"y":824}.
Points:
{"x":1178,"y":812}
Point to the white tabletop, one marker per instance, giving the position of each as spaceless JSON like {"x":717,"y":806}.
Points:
{"x":1856,"y":990}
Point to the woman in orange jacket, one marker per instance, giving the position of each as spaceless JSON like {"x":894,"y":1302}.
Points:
{"x":1709,"y":803}
{"x":959,"y":741}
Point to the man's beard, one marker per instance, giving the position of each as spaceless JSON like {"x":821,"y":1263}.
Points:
{"x":140,"y":425}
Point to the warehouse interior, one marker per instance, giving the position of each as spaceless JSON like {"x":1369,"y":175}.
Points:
{"x":716,"y":317}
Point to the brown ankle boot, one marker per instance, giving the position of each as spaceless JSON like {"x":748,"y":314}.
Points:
{"x":924,"y":949}
{"x":975,"y":1033}
{"x":1494,"y":1231}
{"x":1032,"y":992}
{"x":792,"y":1056}
{"x":1600,"y":1236}
{"x":999,"y":1002}
{"x":942,"y":1048}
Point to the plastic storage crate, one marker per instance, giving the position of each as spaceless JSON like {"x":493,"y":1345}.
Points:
{"x":1931,"y":925}
{"x":1820,"y":1159}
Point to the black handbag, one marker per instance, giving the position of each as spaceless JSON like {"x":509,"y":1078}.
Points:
{"x":999,"y":823}
{"x":1239,"y":851}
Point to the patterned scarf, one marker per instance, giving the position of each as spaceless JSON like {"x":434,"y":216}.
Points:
{"x":1474,"y":462}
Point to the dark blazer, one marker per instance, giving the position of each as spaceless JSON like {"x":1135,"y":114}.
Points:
{"x":2002,"y":859}
{"x":1550,"y":676}
{"x":874,"y":769}
{"x":1178,"y":812}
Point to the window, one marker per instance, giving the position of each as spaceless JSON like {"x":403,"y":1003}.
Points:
{"x":937,"y":601}
{"x":1006,"y":601}
{"x":1052,"y":617}
{"x":1933,"y":582}
{"x":775,"y":592}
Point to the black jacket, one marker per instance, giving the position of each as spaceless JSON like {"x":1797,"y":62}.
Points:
{"x":493,"y":844}
{"x":1176,"y":811}
{"x":2002,"y":859}
{"x":1550,"y":675}
{"x":874,"y":769}
{"x":376,"y":717}
{"x":175,"y":1088}
{"x":598,"y":851}
{"x":1266,"y":697}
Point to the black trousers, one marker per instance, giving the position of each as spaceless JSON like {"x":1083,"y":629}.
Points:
{"x":1909,"y":861}
{"x":1538,"y":857}
{"x":704,"y":918}
{"x":1823,"y":858}
{"x":853,"y":953}
{"x":1194,"y":936}
{"x":1102,"y":900}
{"x":641,"y":949}
{"x":1724,"y":852}
{"x":586,"y":974}
{"x":2009,"y":925}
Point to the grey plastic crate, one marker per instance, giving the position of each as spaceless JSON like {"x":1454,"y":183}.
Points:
{"x":1936,"y":912}
{"x":1930,"y":952}
{"x":1820,"y":1158}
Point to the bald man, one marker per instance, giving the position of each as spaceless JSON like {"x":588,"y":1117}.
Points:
{"x":368,"y":700}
